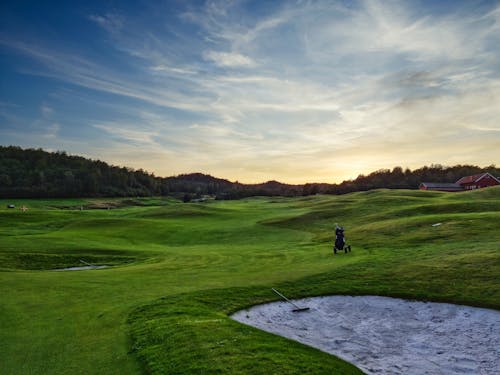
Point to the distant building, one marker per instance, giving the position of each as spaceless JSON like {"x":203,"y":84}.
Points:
{"x":440,"y":186}
{"x":476,"y":181}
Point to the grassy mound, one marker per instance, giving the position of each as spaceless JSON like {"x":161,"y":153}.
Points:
{"x":191,"y":333}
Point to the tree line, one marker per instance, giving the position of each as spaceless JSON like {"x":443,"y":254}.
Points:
{"x":35,"y":173}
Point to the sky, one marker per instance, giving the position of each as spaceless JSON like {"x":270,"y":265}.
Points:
{"x":251,"y":91}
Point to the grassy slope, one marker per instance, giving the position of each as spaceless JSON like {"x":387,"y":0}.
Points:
{"x":208,"y":260}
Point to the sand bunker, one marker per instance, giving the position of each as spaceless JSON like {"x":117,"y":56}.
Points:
{"x":80,"y":268}
{"x":382,"y":335}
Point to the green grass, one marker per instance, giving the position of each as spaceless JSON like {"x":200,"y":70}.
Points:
{"x":177,"y":271}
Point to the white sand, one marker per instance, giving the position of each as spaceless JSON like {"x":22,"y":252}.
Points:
{"x":80,"y":268}
{"x":383,"y":335}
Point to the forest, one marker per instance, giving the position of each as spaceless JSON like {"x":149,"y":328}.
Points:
{"x":35,"y":173}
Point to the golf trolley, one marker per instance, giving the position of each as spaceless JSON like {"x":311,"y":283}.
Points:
{"x":340,"y":243}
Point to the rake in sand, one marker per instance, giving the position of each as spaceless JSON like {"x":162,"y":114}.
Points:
{"x":297,"y":308}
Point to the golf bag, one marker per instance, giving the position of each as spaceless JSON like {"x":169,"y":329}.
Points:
{"x":340,"y":243}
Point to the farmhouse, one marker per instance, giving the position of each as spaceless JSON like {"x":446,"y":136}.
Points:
{"x":476,"y":181}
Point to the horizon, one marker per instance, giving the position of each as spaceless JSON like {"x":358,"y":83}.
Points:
{"x":231,"y":180}
{"x":296,"y":92}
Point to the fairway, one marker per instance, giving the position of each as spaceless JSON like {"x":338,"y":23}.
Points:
{"x":176,"y":270}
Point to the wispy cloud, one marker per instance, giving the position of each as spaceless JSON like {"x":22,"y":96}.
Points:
{"x":112,"y":23}
{"x":67,"y":66}
{"x":128,"y":134}
{"x":46,"y":111}
{"x":229,"y":59}
{"x":173,"y":70}
{"x":52,"y":131}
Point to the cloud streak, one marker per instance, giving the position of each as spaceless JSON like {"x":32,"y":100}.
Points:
{"x":229,"y":59}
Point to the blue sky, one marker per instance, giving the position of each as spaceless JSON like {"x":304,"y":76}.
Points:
{"x":297,"y":91}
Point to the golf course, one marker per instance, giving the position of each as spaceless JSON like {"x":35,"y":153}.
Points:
{"x":176,"y":271}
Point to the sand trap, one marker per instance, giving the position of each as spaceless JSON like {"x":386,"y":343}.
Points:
{"x":382,"y":335}
{"x":80,"y":268}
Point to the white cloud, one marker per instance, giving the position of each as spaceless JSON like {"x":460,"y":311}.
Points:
{"x":52,"y":131}
{"x":46,"y":110}
{"x":229,"y":59}
{"x":129,"y":134}
{"x":175,"y":70}
{"x":112,"y":23}
{"x":67,"y":66}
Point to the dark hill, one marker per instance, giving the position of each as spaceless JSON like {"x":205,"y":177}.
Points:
{"x":35,"y":173}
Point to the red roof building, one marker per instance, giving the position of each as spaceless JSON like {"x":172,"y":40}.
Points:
{"x":478,"y":181}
